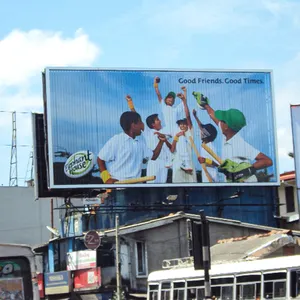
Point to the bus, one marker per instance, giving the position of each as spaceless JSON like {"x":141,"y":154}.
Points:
{"x":18,"y":273}
{"x":270,"y":278}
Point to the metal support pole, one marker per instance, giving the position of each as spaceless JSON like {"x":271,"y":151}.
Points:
{"x":206,"y":254}
{"x":118,"y":277}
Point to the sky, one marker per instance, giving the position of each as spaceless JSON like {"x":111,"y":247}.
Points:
{"x":217,"y":34}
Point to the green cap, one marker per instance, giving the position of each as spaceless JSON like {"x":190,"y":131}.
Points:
{"x":171,"y":94}
{"x":234,"y":118}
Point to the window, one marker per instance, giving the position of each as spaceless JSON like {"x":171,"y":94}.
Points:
{"x":153,"y":291}
{"x":141,"y":259}
{"x":275,"y":285}
{"x":15,"y":281}
{"x":289,"y":197}
{"x":179,"y":288}
{"x":165,"y":291}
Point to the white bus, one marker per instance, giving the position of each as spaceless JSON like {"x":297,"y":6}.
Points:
{"x":17,"y":273}
{"x":272,"y":278}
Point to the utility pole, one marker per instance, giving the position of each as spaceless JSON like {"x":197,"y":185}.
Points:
{"x":13,"y":172}
{"x":206,"y":254}
{"x":201,"y":250}
{"x":118,"y":275}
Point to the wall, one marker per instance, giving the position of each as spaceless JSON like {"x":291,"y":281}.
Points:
{"x":22,"y":219}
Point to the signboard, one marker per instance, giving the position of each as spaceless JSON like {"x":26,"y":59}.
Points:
{"x":58,"y":283}
{"x":91,"y":201}
{"x":87,"y":279}
{"x":295,"y":117}
{"x":92,"y":240}
{"x":157,"y":128}
{"x":78,"y":260}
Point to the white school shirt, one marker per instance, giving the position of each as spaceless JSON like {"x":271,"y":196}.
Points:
{"x":238,"y":150}
{"x":183,"y":153}
{"x":171,"y":115}
{"x":157,"y":167}
{"x":124,"y":156}
{"x":152,"y":140}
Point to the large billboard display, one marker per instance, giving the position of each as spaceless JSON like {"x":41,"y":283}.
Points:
{"x":156,"y":128}
{"x":295,"y":117}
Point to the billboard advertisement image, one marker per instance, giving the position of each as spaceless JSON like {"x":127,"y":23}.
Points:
{"x":120,"y":128}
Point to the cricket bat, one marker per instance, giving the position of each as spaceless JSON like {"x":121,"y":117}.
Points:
{"x":136,"y":180}
{"x":202,"y":165}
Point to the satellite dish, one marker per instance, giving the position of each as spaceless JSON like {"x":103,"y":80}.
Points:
{"x":53,"y":230}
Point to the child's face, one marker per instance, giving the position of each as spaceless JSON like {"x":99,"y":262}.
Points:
{"x":138,"y":127}
{"x":170,"y":101}
{"x":183,"y":126}
{"x":157,"y":124}
{"x":223,"y":126}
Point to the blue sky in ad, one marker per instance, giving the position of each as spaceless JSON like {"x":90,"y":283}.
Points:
{"x":86,"y":105}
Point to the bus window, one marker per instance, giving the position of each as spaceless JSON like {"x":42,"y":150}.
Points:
{"x":275,"y":285}
{"x":165,"y":291}
{"x":153,"y":291}
{"x":178,"y":292}
{"x":227,"y":292}
{"x":279,"y":289}
{"x":15,"y":278}
{"x":200,"y":294}
{"x":216,"y":291}
{"x":191,"y":294}
{"x":248,"y":286}
{"x":222,"y":288}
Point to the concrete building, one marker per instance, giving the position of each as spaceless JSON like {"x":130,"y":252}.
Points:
{"x":22,"y":219}
{"x":143,"y":247}
{"x":289,"y":208}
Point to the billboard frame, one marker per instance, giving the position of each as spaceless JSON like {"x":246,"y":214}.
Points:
{"x":296,"y":158}
{"x":47,"y":100}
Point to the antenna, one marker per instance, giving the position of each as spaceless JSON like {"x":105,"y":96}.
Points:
{"x":13,"y":172}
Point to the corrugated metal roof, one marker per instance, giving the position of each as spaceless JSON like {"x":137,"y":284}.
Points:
{"x":253,"y":247}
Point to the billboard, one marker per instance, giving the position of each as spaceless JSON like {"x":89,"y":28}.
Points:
{"x":295,"y":117}
{"x":156,"y":128}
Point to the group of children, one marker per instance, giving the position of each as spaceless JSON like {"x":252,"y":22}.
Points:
{"x":124,"y":155}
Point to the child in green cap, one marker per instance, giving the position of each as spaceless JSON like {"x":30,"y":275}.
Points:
{"x":236,"y":151}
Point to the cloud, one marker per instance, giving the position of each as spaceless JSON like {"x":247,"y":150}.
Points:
{"x":23,"y":56}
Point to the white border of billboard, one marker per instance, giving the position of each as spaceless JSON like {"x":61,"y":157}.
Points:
{"x":49,"y":130}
